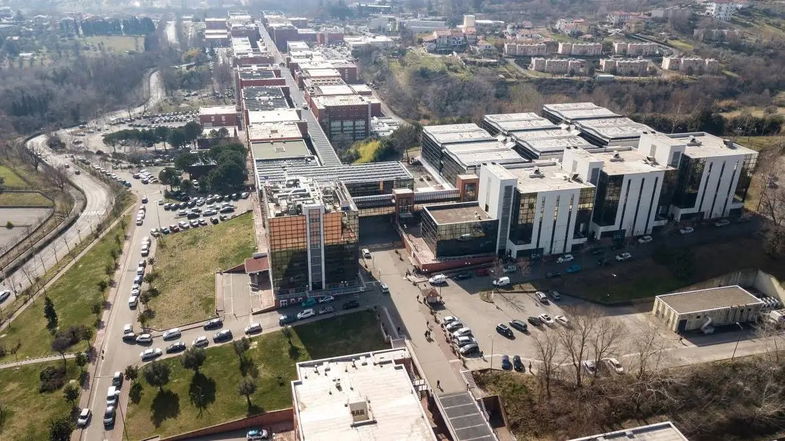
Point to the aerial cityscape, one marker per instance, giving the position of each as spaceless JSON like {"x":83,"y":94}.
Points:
{"x":392,"y":220}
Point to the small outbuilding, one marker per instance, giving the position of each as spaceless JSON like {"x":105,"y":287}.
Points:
{"x":705,"y":309}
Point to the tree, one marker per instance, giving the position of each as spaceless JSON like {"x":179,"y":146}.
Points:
{"x":186,"y":185}
{"x":547,"y":348}
{"x":157,"y":374}
{"x":60,"y":429}
{"x":131,"y":373}
{"x":191,"y":131}
{"x":247,"y":387}
{"x":58,"y":176}
{"x":60,"y":344}
{"x":575,"y":340}
{"x":241,"y":346}
{"x":50,"y":314}
{"x":81,"y":359}
{"x":176,"y":138}
{"x":774,"y":244}
{"x":193,"y":358}
{"x":607,"y":336}
{"x":71,"y":394}
{"x":169,"y":176}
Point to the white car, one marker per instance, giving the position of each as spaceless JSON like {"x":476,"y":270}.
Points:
{"x":562,"y":320}
{"x":112,"y":393}
{"x":4,"y":295}
{"x":541,"y":297}
{"x":546,"y":319}
{"x":462,"y":332}
{"x":623,"y":256}
{"x":306,"y":313}
{"x":565,"y":258}
{"x":133,"y":300}
{"x":437,"y":279}
{"x":366,"y":253}
{"x":150,"y":353}
{"x":722,"y":223}
{"x":128,"y":328}
{"x":253,"y":328}
{"x":686,"y":230}
{"x":645,"y":239}
{"x":384,"y":287}
{"x":144,"y":339}
{"x":201,"y":341}
{"x":325,"y":299}
{"x":590,"y":367}
{"x":449,"y":319}
{"x":171,"y":334}
{"x":84,"y":418}
{"x":614,"y":364}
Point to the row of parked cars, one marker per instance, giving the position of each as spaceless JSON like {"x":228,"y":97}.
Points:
{"x":460,"y":336}
{"x":198,"y":202}
{"x":107,"y":173}
{"x":112,"y":402}
{"x":310,"y":311}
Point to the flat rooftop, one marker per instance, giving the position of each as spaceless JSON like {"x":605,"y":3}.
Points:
{"x":343,"y":100}
{"x":359,"y":397}
{"x":569,"y":112}
{"x":338,"y":89}
{"x":269,"y":116}
{"x":349,"y":174}
{"x":624,"y":161}
{"x":653,"y":432}
{"x":610,"y":129}
{"x":457,"y":133}
{"x":707,"y":299}
{"x":545,"y":146}
{"x":260,"y":98}
{"x":457,"y":213}
{"x":217,"y":110}
{"x":287,"y":198}
{"x":320,"y":72}
{"x":263,"y":151}
{"x":510,"y":122}
{"x":273,"y":131}
{"x":705,"y":145}
{"x":256,"y":74}
{"x":544,"y":176}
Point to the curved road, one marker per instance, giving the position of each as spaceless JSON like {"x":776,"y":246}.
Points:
{"x":97,"y":193}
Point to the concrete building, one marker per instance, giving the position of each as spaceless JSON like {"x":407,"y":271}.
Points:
{"x":330,"y":36}
{"x":665,"y":431}
{"x":636,"y":67}
{"x":435,"y":139}
{"x":423,"y":25}
{"x":446,"y":40}
{"x":614,"y":131}
{"x":365,"y":41}
{"x":618,"y":18}
{"x":580,"y":49}
{"x":346,"y":116}
{"x":705,"y":309}
{"x":219,"y":116}
{"x":691,"y":65}
{"x":541,"y":209}
{"x":572,"y":26}
{"x":259,"y":75}
{"x":308,"y":224}
{"x":455,"y":230}
{"x":722,"y":10}
{"x":713,"y":174}
{"x":559,"y":66}
{"x":360,"y":397}
{"x":522,"y":49}
{"x":548,"y":144}
{"x":635,"y":49}
{"x":508,"y":123}
{"x":630,"y":200}
{"x":568,"y":113}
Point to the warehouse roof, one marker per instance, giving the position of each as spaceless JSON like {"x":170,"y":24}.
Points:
{"x":664,"y":431}
{"x":707,"y":299}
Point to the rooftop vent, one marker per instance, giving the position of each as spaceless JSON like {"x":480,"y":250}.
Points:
{"x":617,"y":157}
{"x":693,"y":141}
{"x":729,"y":144}
{"x":536,"y":174}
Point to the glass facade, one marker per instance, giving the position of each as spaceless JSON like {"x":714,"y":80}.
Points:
{"x":460,"y":239}
{"x":689,"y":180}
{"x":522,"y":225}
{"x":288,"y":253}
{"x":745,"y":177}
{"x":669,"y":182}
{"x":583,"y":216}
{"x":607,"y":200}
{"x":354,"y":129}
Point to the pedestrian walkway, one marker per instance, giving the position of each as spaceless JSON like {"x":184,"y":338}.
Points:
{"x":27,"y":361}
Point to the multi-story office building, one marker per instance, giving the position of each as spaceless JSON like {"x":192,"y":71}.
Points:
{"x":346,"y":116}
{"x":312,"y":231}
{"x":541,"y":208}
{"x":436,"y":138}
{"x":508,"y":123}
{"x":568,"y":113}
{"x":633,"y":190}
{"x":459,"y":230}
{"x":713,"y":174}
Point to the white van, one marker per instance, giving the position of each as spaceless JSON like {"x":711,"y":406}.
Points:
{"x":501,"y":281}
{"x":438,"y":279}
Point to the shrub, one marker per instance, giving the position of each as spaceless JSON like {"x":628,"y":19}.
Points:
{"x":52,"y":378}
{"x":9,"y":225}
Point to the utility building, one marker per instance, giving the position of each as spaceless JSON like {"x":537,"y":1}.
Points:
{"x":705,"y":309}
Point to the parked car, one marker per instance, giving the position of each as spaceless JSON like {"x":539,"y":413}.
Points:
{"x":253,"y":328}
{"x":366,"y":253}
{"x":463,"y":341}
{"x":129,"y":337}
{"x":117,"y":379}
{"x":306,"y":313}
{"x":541,"y":297}
{"x":285,"y":319}
{"x":449,"y":319}
{"x":175,"y":347}
{"x":621,"y":257}
{"x":326,"y":299}
{"x":574,"y":268}
{"x":517,"y":364}
{"x":172,"y":334}
{"x":437,"y":279}
{"x":565,"y":258}
{"x":534,"y":321}
{"x":552,"y":274}
{"x":509,"y":269}
{"x":351,"y":304}
{"x":213,"y":324}
{"x":519,"y":325}
{"x":109,"y":416}
{"x":501,"y":281}
{"x":112,"y":394}
{"x":327,"y":309}
{"x":144,"y":339}
{"x":686,"y":230}
{"x":84,"y":418}
{"x":614,"y":365}
{"x":469,"y":349}
{"x":555,"y":295}
{"x":506,"y":364}
{"x":590,"y":367}
{"x":4,"y":295}
{"x":463,"y":275}
{"x":722,"y":223}
{"x":562,"y":320}
{"x":310,"y":301}
{"x":505,"y":330}
{"x":257,"y":435}
{"x":150,"y":353}
{"x":383,"y":286}
{"x":645,"y":239}
{"x":461,"y":332}
{"x":453,"y":326}
{"x":224,"y":335}
{"x":546,"y":319}
{"x":597,"y":251}
{"x":201,"y":341}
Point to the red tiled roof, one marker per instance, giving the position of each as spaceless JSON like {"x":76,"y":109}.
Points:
{"x":257,"y":264}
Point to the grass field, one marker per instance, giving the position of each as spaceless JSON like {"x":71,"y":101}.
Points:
{"x":681,"y":45}
{"x":180,"y":408}
{"x":25,"y":199}
{"x":29,"y":411}
{"x":186,"y":263}
{"x":73,"y":295}
{"x":11,"y":179}
{"x":115,"y":43}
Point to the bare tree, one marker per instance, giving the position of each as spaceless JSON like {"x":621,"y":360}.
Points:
{"x":58,"y":176}
{"x":605,"y":339}
{"x":648,"y":351}
{"x":30,"y":154}
{"x":547,"y":347}
{"x":576,"y":339}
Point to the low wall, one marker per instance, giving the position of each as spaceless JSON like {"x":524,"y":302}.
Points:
{"x":263,"y":420}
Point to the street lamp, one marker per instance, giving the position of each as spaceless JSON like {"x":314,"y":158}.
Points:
{"x":492,"y":336}
{"x":737,"y":341}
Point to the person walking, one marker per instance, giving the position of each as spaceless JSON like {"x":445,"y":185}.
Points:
{"x":438,"y":384}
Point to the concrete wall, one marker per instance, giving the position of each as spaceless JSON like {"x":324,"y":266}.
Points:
{"x":266,"y":419}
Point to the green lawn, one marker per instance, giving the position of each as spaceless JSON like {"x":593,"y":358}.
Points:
{"x":180,"y":408}
{"x":681,"y":44}
{"x":11,"y":179}
{"x":26,"y":199}
{"x":29,"y":411}
{"x":73,"y":295}
{"x":115,"y":43}
{"x":186,"y":263}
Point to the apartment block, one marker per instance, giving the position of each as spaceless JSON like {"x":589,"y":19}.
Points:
{"x":631,"y":67}
{"x":580,"y":49}
{"x":691,"y":65}
{"x":514,"y":49}
{"x":560,"y":66}
{"x":635,"y":49}
{"x":572,"y":26}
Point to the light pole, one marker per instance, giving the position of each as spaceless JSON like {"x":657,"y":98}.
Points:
{"x":737,"y":341}
{"x":492,"y":336}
